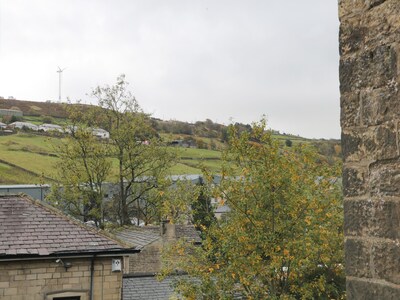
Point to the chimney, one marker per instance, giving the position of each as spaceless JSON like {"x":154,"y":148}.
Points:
{"x":168,"y":230}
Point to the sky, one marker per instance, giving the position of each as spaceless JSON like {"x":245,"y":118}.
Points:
{"x":187,"y":60}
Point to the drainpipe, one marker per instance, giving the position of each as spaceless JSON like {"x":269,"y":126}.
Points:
{"x":91,"y":277}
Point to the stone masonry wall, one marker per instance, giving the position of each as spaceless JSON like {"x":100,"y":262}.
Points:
{"x":34,"y":280}
{"x":370,"y":120}
{"x":148,"y":260}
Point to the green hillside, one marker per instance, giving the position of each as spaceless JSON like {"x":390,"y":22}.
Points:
{"x":31,"y":158}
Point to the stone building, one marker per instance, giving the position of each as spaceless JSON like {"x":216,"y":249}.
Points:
{"x":10,"y":112}
{"x":150,"y":240}
{"x":45,"y":255}
{"x":370,"y":119}
{"x":140,"y":281}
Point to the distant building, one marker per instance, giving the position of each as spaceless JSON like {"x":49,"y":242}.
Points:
{"x":100,"y":133}
{"x":35,"y":191}
{"x":21,"y":125}
{"x":50,"y":127}
{"x":11,"y":112}
{"x":3,"y":125}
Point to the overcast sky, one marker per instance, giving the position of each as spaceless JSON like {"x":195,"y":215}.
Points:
{"x":188,"y":60}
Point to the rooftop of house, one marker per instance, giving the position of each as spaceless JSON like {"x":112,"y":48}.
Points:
{"x":32,"y":228}
{"x":140,"y":237}
{"x":147,"y":287}
{"x":137,"y":237}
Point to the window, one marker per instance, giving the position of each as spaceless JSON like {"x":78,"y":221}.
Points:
{"x":68,"y":295}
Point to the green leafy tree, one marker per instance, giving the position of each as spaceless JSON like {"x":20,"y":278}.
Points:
{"x":133,"y":147}
{"x":83,"y":168}
{"x":175,"y":200}
{"x":141,"y":156}
{"x":283,"y":237}
{"x":202,"y":210}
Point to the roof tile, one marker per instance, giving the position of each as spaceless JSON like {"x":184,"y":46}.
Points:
{"x":30,"y":227}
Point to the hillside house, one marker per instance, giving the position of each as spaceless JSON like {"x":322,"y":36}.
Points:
{"x":3,"y":125}
{"x":100,"y":133}
{"x":45,"y":255}
{"x":21,"y":125}
{"x":50,"y":127}
{"x":10,"y":112}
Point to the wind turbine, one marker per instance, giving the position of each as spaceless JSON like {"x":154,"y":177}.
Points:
{"x":59,"y":82}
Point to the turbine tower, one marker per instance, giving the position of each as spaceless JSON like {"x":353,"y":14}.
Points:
{"x":59,"y":82}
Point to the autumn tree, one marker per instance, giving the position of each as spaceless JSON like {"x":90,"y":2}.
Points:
{"x":83,"y":168}
{"x":283,"y":237}
{"x":133,"y":159}
{"x":141,"y":157}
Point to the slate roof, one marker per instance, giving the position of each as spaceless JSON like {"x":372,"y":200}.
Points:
{"x":188,"y":232}
{"x":147,"y":287}
{"x":31,"y":228}
{"x":140,"y":237}
{"x":137,"y":237}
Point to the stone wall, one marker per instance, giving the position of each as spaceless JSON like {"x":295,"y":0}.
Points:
{"x":370,"y":120}
{"x":45,"y":279}
{"x":148,"y":260}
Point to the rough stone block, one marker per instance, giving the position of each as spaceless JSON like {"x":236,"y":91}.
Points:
{"x":350,"y":110}
{"x":372,"y":68}
{"x":379,"y":105}
{"x":385,"y":179}
{"x":357,"y":289}
{"x":351,"y":145}
{"x":378,"y":218}
{"x":373,"y":259}
{"x":381,"y":142}
{"x":351,"y":38}
{"x":386,"y":261}
{"x":357,"y":258}
{"x":354,"y":181}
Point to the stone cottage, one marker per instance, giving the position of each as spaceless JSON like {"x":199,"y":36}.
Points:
{"x":140,"y":281}
{"x":45,"y":255}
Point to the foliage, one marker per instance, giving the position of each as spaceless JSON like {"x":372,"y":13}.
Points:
{"x":11,"y":119}
{"x":202,"y":210}
{"x":86,"y":161}
{"x":288,"y":143}
{"x":47,"y":119}
{"x":81,"y":172}
{"x":176,"y":199}
{"x":283,"y":237}
{"x":142,"y":158}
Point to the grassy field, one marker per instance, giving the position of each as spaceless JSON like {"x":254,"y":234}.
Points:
{"x":29,"y":158}
{"x":12,"y":175}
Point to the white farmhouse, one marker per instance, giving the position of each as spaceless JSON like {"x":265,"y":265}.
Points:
{"x":100,"y":133}
{"x":21,"y":125}
{"x":50,"y":127}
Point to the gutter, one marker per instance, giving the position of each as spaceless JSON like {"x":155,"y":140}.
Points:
{"x":88,"y":254}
